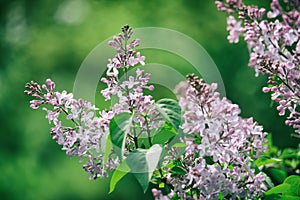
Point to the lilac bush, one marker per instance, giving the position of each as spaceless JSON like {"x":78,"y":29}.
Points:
{"x":198,"y":147}
{"x":274,"y":48}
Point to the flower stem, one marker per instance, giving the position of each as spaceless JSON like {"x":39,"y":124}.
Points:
{"x":148,"y":131}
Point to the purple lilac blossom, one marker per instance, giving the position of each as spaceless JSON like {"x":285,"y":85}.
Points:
{"x":87,"y":137}
{"x":221,"y":162}
{"x":83,"y":139}
{"x":274,"y":48}
{"x":130,"y":91}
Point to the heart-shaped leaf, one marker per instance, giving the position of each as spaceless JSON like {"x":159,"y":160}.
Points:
{"x":170,"y":110}
{"x":118,"y":129}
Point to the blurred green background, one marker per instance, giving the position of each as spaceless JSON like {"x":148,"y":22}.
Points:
{"x":50,"y":38}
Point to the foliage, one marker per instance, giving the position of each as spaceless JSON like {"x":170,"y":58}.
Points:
{"x":289,"y":189}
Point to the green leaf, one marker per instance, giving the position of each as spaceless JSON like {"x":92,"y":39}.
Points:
{"x":221,"y":196}
{"x":293,"y":163}
{"x":266,"y":160}
{"x":171,"y":136}
{"x":118,"y":129}
{"x":144,"y":143}
{"x":198,"y":138}
{"x":170,"y":110}
{"x":209,"y":160}
{"x":108,"y":149}
{"x":288,"y":153}
{"x":280,"y":189}
{"x":166,"y":133}
{"x":118,"y":174}
{"x":290,"y":197}
{"x":161,"y":185}
{"x":272,"y":197}
{"x":142,"y":164}
{"x":177,"y":170}
{"x":294,"y":181}
{"x":175,"y":197}
{"x":170,"y":165}
{"x":277,"y":175}
{"x":268,"y":181}
{"x":289,"y":189}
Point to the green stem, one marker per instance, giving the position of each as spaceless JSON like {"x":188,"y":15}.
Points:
{"x":68,"y":114}
{"x":135,"y":139}
{"x":148,"y":131}
{"x":160,"y":172}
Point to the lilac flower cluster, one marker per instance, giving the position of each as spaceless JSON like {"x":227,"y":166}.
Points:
{"x":126,"y":57}
{"x":274,"y":47}
{"x":130,"y":91}
{"x":220,"y":146}
{"x":88,"y":131}
{"x":87,"y":137}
